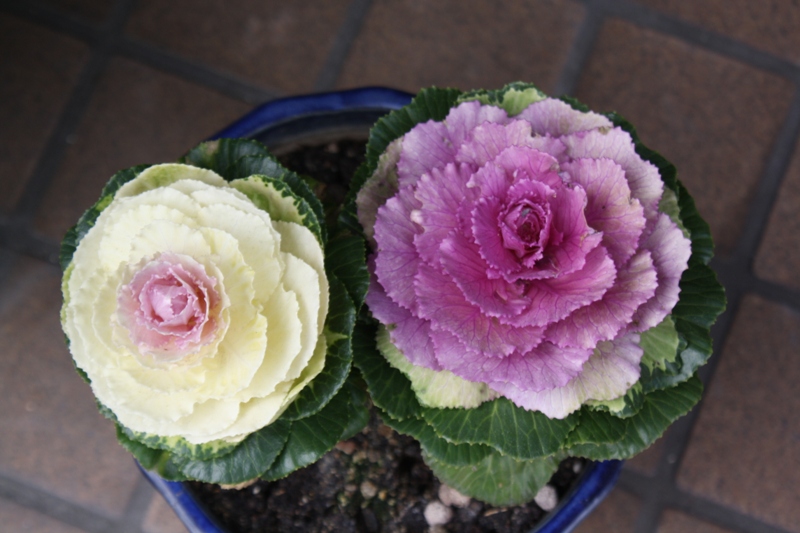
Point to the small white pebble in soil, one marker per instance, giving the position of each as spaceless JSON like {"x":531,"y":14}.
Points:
{"x":368,"y":490}
{"x":451,"y":496}
{"x":256,"y":489}
{"x":546,"y":498}
{"x":437,"y":513}
{"x":577,"y":467}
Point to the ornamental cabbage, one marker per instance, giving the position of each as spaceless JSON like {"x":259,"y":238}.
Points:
{"x":529,"y":263}
{"x":524,"y":252}
{"x":191,"y":310}
{"x":197,"y":307}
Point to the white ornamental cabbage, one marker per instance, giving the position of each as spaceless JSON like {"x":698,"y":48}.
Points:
{"x":193,"y":306}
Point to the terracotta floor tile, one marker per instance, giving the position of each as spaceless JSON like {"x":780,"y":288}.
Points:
{"x":137,"y":115}
{"x":39,"y":69}
{"x":676,"y":522}
{"x":28,"y":521}
{"x":53,"y":436}
{"x":450,"y":44}
{"x":687,"y":103}
{"x":745,"y":450}
{"x":275,"y":44}
{"x":160,"y":518}
{"x":616,"y":514}
{"x":770,"y":25}
{"x":778,"y":258}
{"x":93,"y":10}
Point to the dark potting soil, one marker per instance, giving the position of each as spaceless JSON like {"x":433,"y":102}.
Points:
{"x":375,"y":481}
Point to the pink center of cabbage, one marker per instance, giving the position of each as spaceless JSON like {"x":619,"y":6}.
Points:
{"x":169,"y":306}
{"x":524,"y":226}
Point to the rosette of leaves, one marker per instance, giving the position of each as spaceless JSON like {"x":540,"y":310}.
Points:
{"x":492,"y":441}
{"x":330,"y":406}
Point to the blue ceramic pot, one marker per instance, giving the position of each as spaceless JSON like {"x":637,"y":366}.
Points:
{"x":321,"y":118}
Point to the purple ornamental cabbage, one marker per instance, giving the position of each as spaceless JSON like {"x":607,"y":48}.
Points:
{"x":523,"y":252}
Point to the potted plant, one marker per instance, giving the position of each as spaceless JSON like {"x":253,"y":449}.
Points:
{"x":498,"y":429}
{"x":539,"y":286}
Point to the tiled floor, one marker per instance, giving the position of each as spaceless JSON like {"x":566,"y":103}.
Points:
{"x":91,"y":86}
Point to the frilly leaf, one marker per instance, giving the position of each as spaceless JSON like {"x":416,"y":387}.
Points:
{"x":513,"y":98}
{"x":598,"y":435}
{"x":346,"y":255}
{"x":623,"y":407}
{"x":389,"y":389}
{"x":310,"y":438}
{"x":247,"y":461}
{"x":338,"y":359}
{"x":511,"y":430}
{"x":435,"y":446}
{"x":497,"y":479}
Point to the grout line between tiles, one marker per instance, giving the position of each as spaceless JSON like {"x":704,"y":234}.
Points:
{"x":133,"y":518}
{"x":142,"y":52}
{"x":196,"y":73}
{"x":19,"y":238}
{"x":72,"y":113}
{"x":698,"y":507}
{"x":582,"y":46}
{"x":345,"y":37}
{"x":767,"y":192}
{"x":52,"y":19}
{"x":24,"y":495}
{"x":695,"y":35}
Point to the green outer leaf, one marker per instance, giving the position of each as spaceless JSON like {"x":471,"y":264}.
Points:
{"x":148,"y":457}
{"x":241,"y":158}
{"x":623,"y":407}
{"x":346,"y":256}
{"x":513,"y":98}
{"x":702,"y":299}
{"x":497,"y":479}
{"x":660,"y":409}
{"x":282,"y":203}
{"x":434,"y":445}
{"x":597,"y":427}
{"x":88,"y":219}
{"x":429,"y":104}
{"x":499,"y":423}
{"x":247,"y":461}
{"x":179,"y":445}
{"x":310,"y":438}
{"x":660,"y":344}
{"x":389,"y":388}
{"x":267,"y":165}
{"x":326,"y":384}
{"x":222,"y":155}
{"x":358,"y":408}
{"x":510,"y":429}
